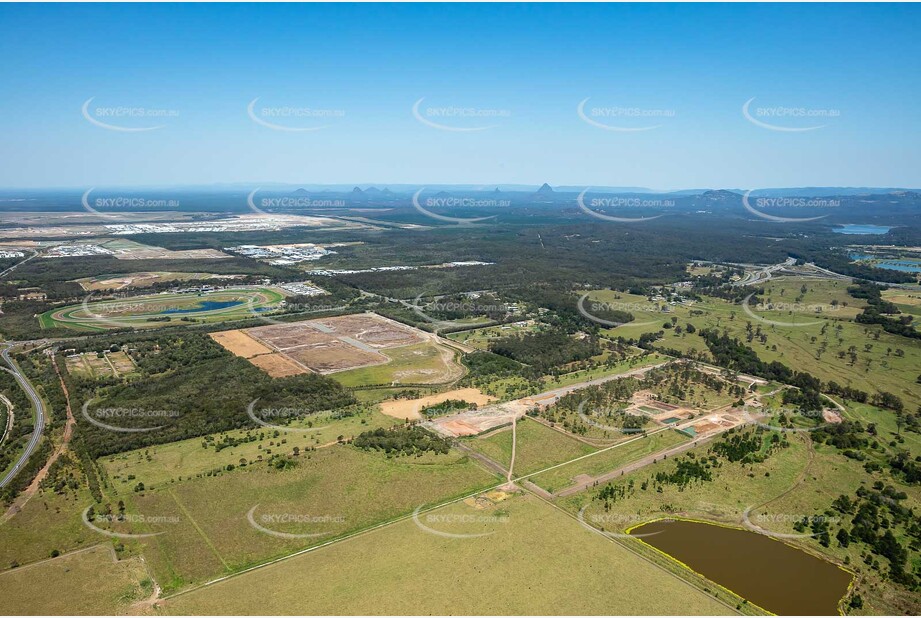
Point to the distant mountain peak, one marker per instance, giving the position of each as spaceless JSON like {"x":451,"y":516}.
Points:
{"x":301,"y":192}
{"x":357,"y":190}
{"x":545,"y":188}
{"x":719,"y":194}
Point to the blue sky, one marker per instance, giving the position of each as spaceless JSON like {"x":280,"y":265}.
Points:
{"x":518,"y":71}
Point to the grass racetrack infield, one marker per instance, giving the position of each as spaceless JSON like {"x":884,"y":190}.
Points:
{"x":156,"y":310}
{"x":86,"y":582}
{"x":537,"y":561}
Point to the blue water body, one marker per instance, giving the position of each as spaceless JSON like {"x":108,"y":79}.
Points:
{"x":857,"y":228}
{"x":207,"y":305}
{"x":906,"y":266}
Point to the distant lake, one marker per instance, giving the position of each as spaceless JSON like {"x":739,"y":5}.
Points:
{"x":906,"y":266}
{"x":775,"y":576}
{"x":857,"y":228}
{"x":208,"y":305}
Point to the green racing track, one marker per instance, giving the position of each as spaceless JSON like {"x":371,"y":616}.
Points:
{"x":151,"y":311}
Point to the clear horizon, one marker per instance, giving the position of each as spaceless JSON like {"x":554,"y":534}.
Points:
{"x":655,"y":96}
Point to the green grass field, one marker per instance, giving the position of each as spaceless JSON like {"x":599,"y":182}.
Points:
{"x":355,"y":488}
{"x":89,"y":582}
{"x":48,"y":522}
{"x":608,"y":460}
{"x":803,"y":346}
{"x":151,"y":311}
{"x":539,"y":561}
{"x":165,"y":463}
{"x":421,"y":363}
{"x":480,"y":338}
{"x":537,"y":447}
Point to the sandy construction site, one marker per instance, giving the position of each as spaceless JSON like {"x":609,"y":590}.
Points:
{"x":325,"y":345}
{"x":409,"y":409}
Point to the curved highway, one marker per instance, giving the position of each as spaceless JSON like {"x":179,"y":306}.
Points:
{"x":39,"y":416}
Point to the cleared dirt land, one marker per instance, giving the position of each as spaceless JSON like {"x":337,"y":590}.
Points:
{"x":239,"y":343}
{"x":109,"y":365}
{"x":141,"y":280}
{"x":343,"y":344}
{"x":277,"y":365}
{"x":537,"y":561}
{"x":409,"y":408}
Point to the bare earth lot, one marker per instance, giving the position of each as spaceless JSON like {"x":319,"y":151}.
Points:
{"x":409,"y":408}
{"x":326,"y":345}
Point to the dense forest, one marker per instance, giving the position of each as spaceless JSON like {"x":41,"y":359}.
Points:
{"x":189,"y":387}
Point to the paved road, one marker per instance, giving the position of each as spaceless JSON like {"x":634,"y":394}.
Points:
{"x":764,"y":274}
{"x":39,"y":416}
{"x":17,"y":264}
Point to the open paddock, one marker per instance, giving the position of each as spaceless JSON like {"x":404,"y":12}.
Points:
{"x":568,"y":570}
